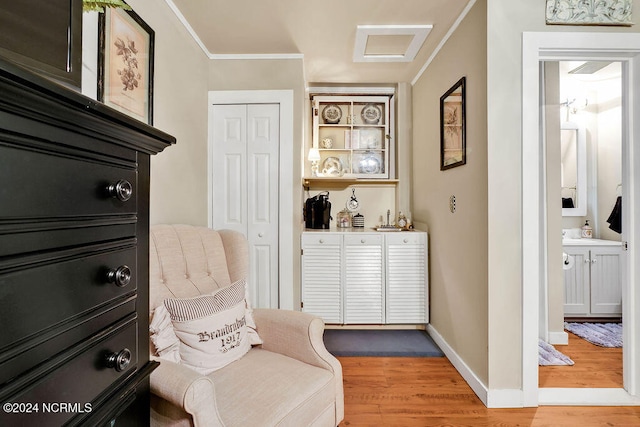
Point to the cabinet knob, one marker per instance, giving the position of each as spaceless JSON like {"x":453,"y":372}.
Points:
{"x":587,"y":261}
{"x":362,"y":240}
{"x":121,"y":190}
{"x":321,"y":240}
{"x":121,"y":276}
{"x":120,"y":360}
{"x":593,"y":261}
{"x":260,"y":234}
{"x":406,"y":240}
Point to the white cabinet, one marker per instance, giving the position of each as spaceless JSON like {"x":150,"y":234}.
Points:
{"x":363,"y":278}
{"x":355,"y":277}
{"x":406,"y":278}
{"x":593,"y":287}
{"x":353,"y":135}
{"x":322,"y":275}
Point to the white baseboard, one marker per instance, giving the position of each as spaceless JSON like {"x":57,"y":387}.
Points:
{"x":559,"y":338}
{"x":586,"y":397}
{"x":490,"y":398}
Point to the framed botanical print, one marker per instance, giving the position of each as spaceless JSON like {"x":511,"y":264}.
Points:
{"x":125,"y":63}
{"x":453,"y":148}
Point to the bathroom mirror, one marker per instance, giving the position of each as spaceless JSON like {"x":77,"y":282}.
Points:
{"x":573,"y":175}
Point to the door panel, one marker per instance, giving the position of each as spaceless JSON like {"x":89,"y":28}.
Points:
{"x":246,"y":142}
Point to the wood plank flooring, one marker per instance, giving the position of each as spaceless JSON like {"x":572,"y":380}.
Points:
{"x":595,"y":367}
{"x":421,"y":392}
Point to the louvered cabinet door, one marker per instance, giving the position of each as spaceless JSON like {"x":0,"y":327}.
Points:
{"x":322,"y":276}
{"x":606,"y":282}
{"x":364,"y":279}
{"x":577,"y":289}
{"x":406,"y":278}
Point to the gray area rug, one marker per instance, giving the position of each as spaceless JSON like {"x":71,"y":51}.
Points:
{"x":549,"y":356}
{"x":380,"y":343}
{"x":602,"y":334}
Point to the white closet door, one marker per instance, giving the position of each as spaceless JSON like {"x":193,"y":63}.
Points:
{"x":263,"y":140}
{"x":246,"y":140}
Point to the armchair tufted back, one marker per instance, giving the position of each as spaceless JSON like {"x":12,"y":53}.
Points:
{"x":186,"y":261}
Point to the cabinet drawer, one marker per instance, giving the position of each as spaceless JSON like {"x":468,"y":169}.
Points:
{"x":363,"y":239}
{"x":320,"y":239}
{"x":405,"y":238}
{"x":67,"y":385}
{"x":40,"y":296}
{"x":44,"y":185}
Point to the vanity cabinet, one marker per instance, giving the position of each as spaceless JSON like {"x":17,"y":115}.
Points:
{"x":360,"y":277}
{"x":353,"y":135}
{"x":593,"y":286}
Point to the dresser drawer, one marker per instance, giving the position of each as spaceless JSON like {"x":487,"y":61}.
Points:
{"x":406,"y":238}
{"x":43,"y":295}
{"x":45,"y":185}
{"x":67,"y":385}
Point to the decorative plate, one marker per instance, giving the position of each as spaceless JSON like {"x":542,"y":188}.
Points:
{"x":331,"y":114}
{"x":371,"y":114}
{"x":370,"y":164}
{"x":332,"y":166}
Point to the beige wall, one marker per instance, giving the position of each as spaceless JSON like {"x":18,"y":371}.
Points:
{"x":178,"y":174}
{"x":506,"y":21}
{"x":458,"y":241}
{"x":555,"y":276}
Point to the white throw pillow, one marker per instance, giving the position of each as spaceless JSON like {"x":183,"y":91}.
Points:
{"x":163,"y":336}
{"x":212,"y":329}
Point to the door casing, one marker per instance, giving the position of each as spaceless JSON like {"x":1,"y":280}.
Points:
{"x":554,"y":46}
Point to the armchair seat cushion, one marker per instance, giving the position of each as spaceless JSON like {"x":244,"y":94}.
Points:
{"x":269,"y":389}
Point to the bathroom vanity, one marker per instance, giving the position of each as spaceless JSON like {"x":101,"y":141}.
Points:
{"x":361,"y":276}
{"x":593,"y":285}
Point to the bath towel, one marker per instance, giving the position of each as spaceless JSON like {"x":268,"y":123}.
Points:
{"x":615,"y":219}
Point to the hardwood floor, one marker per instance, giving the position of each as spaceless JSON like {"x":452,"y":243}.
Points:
{"x":595,"y":367}
{"x":412,"y":392}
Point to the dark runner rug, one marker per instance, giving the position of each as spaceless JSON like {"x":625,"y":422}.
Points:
{"x":380,"y":343}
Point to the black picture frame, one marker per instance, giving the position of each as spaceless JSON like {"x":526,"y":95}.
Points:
{"x":126,"y":63}
{"x":453,"y":141}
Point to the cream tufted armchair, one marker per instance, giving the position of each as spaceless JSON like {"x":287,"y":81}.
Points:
{"x":290,"y":380}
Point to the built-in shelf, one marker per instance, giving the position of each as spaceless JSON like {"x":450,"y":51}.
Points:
{"x":341,"y":182}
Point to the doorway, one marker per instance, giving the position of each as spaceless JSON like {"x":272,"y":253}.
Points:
{"x":624,"y":47}
{"x":582,"y":144}
{"x":275,"y":287}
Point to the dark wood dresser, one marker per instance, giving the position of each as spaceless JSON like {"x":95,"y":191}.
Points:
{"x":74,"y":254}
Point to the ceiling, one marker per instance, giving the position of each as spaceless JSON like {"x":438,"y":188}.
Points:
{"x":323,"y":33}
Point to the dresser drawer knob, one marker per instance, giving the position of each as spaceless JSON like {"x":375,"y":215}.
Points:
{"x":121,"y":276}
{"x":121,"y":190}
{"x":120,"y":360}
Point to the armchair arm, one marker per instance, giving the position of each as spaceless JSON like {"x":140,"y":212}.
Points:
{"x":187,"y":389}
{"x":299,"y":336}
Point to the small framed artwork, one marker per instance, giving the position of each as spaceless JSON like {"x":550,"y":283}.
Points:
{"x":453,"y":148}
{"x":125,"y":63}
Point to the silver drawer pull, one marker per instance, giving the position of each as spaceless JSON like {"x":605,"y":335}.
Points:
{"x":363,"y":241}
{"x":121,"y":190}
{"x":120,"y":360}
{"x":321,"y":240}
{"x":121,"y":276}
{"x":406,"y":240}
